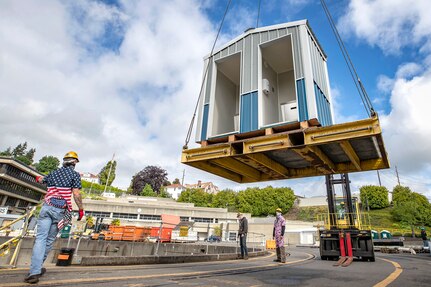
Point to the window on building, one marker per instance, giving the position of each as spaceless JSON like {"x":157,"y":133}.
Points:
{"x":151,"y":217}
{"x":125,"y":215}
{"x":10,"y":201}
{"x":98,"y":214}
{"x":22,"y":203}
{"x":184,"y":218}
{"x":202,"y":219}
{"x":232,"y":236}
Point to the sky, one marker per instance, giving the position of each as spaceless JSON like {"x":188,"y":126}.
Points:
{"x":123,"y":77}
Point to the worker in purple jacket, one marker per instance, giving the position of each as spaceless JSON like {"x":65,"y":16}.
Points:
{"x":278,"y":235}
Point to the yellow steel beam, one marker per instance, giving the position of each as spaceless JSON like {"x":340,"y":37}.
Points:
{"x":238,"y":167}
{"x":323,"y":157}
{"x":269,"y":163}
{"x":266,"y":143}
{"x":345,"y":131}
{"x":313,"y":155}
{"x":371,"y":164}
{"x":351,"y":154}
{"x":209,"y":152}
{"x":214,"y":169}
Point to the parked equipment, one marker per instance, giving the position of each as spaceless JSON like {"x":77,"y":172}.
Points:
{"x":347,"y":232}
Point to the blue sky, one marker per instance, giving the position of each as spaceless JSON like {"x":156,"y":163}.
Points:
{"x":101,"y":77}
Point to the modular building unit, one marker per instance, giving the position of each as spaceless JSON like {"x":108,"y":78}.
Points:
{"x":266,"y":77}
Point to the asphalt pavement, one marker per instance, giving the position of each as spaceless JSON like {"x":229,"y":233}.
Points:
{"x":303,"y":268}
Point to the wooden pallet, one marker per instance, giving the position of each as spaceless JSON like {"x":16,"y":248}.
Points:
{"x":293,"y":151}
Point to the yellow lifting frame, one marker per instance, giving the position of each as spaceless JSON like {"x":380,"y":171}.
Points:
{"x":251,"y":159}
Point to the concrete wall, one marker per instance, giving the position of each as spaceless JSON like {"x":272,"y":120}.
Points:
{"x":95,"y":248}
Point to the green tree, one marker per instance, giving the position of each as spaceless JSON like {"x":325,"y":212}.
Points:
{"x":225,"y":199}
{"x":6,"y":152}
{"x":375,"y":196}
{"x":196,"y":196}
{"x":164,"y":193}
{"x":410,"y":208}
{"x":47,"y":164}
{"x":115,"y":222}
{"x":217,"y":231}
{"x":148,"y":191}
{"x":176,"y":181}
{"x":263,"y":202}
{"x":104,"y":173}
{"x":20,"y":153}
{"x":401,"y":194}
{"x":90,"y":221}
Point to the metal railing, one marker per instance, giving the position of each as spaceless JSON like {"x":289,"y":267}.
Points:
{"x":17,"y":240}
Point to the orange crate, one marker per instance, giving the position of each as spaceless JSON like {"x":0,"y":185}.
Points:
{"x":270,"y":244}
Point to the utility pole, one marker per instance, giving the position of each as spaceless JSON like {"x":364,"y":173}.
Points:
{"x":109,"y":173}
{"x":182,"y":180}
{"x":398,"y":177}
{"x":378,"y":176}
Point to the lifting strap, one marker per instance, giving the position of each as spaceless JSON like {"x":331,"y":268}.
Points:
{"x":358,"y":83}
{"x":189,"y":132}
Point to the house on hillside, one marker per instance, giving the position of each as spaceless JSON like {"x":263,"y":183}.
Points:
{"x":208,"y":187}
{"x":175,"y":190}
{"x":87,"y":176}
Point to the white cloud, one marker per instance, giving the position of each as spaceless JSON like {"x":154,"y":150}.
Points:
{"x":390,"y":25}
{"x":61,"y":89}
{"x":394,"y":26}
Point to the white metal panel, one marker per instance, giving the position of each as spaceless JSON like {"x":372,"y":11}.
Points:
{"x":254,"y":60}
{"x":246,"y":77}
{"x":308,"y":73}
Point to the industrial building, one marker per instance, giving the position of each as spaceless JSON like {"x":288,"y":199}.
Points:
{"x":147,"y":211}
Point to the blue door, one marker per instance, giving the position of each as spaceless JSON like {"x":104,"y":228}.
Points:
{"x":249,"y":120}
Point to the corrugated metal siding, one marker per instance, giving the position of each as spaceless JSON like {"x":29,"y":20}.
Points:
{"x":254,"y":61}
{"x":246,"y":75}
{"x":317,"y":61}
{"x":302,"y":100}
{"x":208,"y":83}
{"x":323,"y":107}
{"x":249,"y":110}
{"x":297,"y":53}
{"x":205,"y":122}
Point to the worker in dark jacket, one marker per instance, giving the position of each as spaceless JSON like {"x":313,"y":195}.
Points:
{"x":424,"y":236}
{"x":242,"y":234}
{"x":278,"y":235}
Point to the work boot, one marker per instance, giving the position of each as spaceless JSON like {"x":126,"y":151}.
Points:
{"x":33,"y":279}
{"x":282,"y":255}
{"x":245,"y":257}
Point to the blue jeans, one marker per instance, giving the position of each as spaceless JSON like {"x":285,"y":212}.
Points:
{"x":47,"y":231}
{"x":243,"y":245}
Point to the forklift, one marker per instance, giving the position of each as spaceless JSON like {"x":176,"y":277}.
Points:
{"x":347,"y":231}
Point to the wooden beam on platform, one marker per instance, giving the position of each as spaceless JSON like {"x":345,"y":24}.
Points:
{"x":370,"y":164}
{"x":269,"y":163}
{"x":238,"y":167}
{"x":214,"y":169}
{"x":351,"y":154}
{"x":311,"y":155}
{"x":323,"y":157}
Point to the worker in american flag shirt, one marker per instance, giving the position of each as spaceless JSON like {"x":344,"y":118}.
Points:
{"x":56,"y":211}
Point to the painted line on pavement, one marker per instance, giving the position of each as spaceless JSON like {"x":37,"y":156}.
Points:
{"x":153,"y":276}
{"x":72,"y":268}
{"x":393,"y":276}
